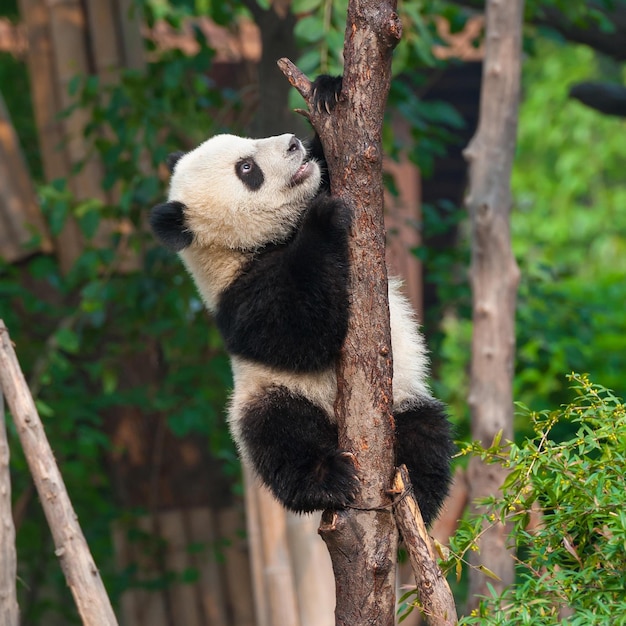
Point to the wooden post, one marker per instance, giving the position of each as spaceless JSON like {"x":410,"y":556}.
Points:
{"x":67,"y":40}
{"x":47,"y":105}
{"x":9,"y":610}
{"x":494,"y":273}
{"x":20,"y":217}
{"x":272,"y":575}
{"x":362,"y":541}
{"x":77,"y":563}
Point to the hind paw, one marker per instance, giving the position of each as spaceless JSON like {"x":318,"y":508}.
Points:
{"x":334,"y":484}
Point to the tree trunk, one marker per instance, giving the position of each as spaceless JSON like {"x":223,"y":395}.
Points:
{"x":362,"y":541}
{"x":494,"y":273}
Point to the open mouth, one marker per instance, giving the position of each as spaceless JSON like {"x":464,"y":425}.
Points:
{"x":302,"y":173}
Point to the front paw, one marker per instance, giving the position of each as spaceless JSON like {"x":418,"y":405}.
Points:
{"x":333,"y":484}
{"x":326,"y":91}
{"x":329,"y":214}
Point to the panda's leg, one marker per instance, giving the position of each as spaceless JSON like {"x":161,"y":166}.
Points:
{"x":293,"y":447}
{"x":424,"y":444}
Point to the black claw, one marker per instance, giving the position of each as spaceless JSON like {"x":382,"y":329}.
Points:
{"x":325,"y":93}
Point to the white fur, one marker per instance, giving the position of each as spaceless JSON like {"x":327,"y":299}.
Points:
{"x":222,"y":211}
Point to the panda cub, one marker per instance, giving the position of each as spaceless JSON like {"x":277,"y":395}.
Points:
{"x":267,"y":246}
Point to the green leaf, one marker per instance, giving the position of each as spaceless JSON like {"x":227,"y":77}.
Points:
{"x":310,"y":29}
{"x":487,"y":572}
{"x":109,"y":381}
{"x":89,"y":223}
{"x":44,"y":410}
{"x":496,"y":440}
{"x":513,"y":476}
{"x":309,"y":62}
{"x":57,"y":215}
{"x":67,"y":340}
{"x":304,"y":6}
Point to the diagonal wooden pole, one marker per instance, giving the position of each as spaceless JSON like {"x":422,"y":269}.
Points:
{"x":9,"y":610}
{"x":81,"y":573}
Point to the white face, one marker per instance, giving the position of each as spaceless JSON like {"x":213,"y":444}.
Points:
{"x":242,"y":193}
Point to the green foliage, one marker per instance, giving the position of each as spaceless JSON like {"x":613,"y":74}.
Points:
{"x":576,"y":556}
{"x":569,"y":230}
{"x":84,"y":337}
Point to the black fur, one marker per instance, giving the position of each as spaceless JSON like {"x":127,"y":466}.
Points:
{"x":289,"y":306}
{"x":326,"y":90}
{"x":288,"y":309}
{"x":172,"y":159}
{"x":250,"y":174}
{"x":424,"y":444}
{"x":294,"y":449}
{"x":168,"y":224}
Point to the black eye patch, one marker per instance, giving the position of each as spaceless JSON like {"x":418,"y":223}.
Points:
{"x":249,"y":173}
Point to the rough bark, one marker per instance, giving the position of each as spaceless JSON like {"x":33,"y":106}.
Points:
{"x":80,"y":571}
{"x":9,"y":610}
{"x":494,"y":273}
{"x":362,"y":541}
{"x":436,"y":599}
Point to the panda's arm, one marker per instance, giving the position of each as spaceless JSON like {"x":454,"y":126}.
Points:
{"x":326,"y":90}
{"x":289,"y":307}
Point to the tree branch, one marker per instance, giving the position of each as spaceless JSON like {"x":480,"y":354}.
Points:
{"x":77,"y":563}
{"x":608,"y":98}
{"x":436,"y":599}
{"x":591,"y":32}
{"x":363,"y":541}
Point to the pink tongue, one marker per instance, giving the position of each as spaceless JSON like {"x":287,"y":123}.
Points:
{"x":298,"y":175}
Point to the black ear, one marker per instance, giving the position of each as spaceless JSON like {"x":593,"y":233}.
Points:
{"x":168,"y":224}
{"x":172,"y":159}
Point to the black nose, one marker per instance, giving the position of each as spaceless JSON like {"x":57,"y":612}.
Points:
{"x":294,"y":144}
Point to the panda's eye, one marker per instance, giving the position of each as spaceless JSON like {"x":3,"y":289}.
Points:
{"x":249,"y":173}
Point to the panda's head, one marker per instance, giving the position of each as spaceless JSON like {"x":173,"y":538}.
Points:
{"x":236,"y":193}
